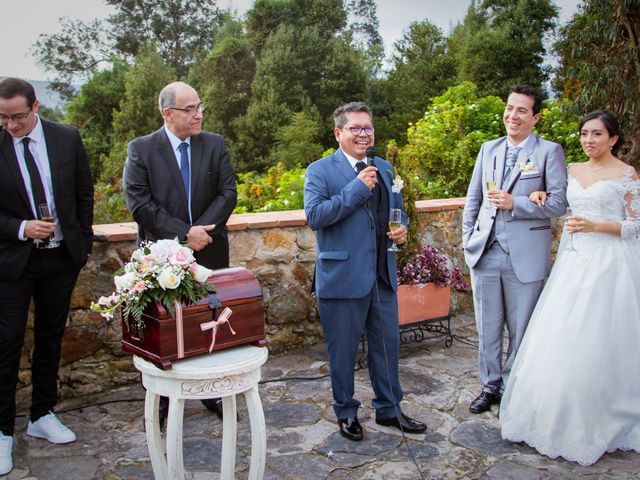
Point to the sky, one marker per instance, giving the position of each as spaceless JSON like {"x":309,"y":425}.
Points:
{"x":42,"y":17}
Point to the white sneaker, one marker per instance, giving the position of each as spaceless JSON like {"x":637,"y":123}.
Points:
{"x":6,"y":446}
{"x":50,"y":428}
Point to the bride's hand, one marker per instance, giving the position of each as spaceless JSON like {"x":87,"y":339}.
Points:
{"x":576,"y":224}
{"x":538,"y":197}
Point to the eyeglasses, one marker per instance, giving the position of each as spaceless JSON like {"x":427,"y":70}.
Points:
{"x":190,"y":110}
{"x":16,"y":117}
{"x":356,"y":131}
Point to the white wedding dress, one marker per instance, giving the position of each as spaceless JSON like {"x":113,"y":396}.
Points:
{"x":574,"y":390}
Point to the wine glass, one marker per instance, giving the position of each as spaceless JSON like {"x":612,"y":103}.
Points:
{"x":46,"y":215}
{"x":395,"y":222}
{"x":569,"y":247}
{"x":490,"y":183}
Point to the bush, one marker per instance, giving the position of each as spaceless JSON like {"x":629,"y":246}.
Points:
{"x":278,"y":189}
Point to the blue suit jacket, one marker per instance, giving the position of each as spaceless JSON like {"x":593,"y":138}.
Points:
{"x":337,"y":207}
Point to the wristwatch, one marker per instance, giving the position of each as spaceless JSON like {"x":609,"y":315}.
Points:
{"x":184,"y":238}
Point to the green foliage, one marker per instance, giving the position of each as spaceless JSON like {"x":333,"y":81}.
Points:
{"x":109,"y":205}
{"x":500,"y":44}
{"x":599,"y":52}
{"x":138,"y":114}
{"x":92,"y":111}
{"x":278,"y":189}
{"x":422,"y":69}
{"x":296,"y":143}
{"x":559,"y":124}
{"x":179,"y":28}
{"x":443,"y":145}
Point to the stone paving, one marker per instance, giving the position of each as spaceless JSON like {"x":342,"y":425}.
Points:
{"x":302,"y":438}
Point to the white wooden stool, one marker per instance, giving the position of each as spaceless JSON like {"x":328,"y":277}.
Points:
{"x":225,"y":374}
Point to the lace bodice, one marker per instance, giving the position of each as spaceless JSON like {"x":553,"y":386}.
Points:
{"x":616,"y":199}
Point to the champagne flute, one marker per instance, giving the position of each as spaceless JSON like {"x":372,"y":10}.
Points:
{"x":569,"y":247}
{"x":490,"y":183}
{"x":46,"y":215}
{"x":395,"y":222}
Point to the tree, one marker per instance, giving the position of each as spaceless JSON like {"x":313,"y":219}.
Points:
{"x":224,"y":78}
{"x":92,"y":111}
{"x":422,"y":69}
{"x":363,"y":27}
{"x":179,"y":28}
{"x":138,"y":112}
{"x":599,"y":52}
{"x":296,"y":143}
{"x":500,"y":44}
{"x":305,"y":65}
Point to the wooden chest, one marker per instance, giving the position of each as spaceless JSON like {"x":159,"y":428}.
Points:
{"x":236,"y":288}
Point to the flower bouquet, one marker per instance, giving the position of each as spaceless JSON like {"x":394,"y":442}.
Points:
{"x":164,"y":271}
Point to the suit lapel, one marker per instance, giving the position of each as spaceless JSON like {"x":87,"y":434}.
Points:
{"x":386,"y":179}
{"x":169,"y":161}
{"x":9,"y":154}
{"x":197,"y":167}
{"x":498,"y":158}
{"x":343,"y":166}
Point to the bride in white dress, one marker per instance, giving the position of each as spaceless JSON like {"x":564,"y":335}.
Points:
{"x":574,"y":390}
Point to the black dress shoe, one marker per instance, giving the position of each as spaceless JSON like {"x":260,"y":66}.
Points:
{"x":214,"y":405}
{"x":404,"y":423}
{"x":483,"y":402}
{"x":350,"y":428}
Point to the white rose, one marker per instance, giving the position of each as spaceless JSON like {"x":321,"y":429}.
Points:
{"x":124,"y":282}
{"x":168,"y":279}
{"x":201,"y":274}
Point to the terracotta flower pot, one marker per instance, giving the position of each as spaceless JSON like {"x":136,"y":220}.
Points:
{"x":426,"y":301}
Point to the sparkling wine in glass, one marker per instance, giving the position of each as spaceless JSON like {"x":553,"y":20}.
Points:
{"x":490,"y":183}
{"x":395,"y":222}
{"x":569,"y":247}
{"x":46,"y":215}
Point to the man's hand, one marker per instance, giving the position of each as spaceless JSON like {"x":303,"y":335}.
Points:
{"x":501,"y":199}
{"x":368,"y":177}
{"x":37,"y":229}
{"x":198,"y":237}
{"x":398,"y":236}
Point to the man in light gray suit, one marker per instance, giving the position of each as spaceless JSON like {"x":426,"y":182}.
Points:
{"x":507,"y":238}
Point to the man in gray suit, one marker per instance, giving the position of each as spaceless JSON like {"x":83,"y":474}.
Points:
{"x":507,"y":238}
{"x":347,"y":204}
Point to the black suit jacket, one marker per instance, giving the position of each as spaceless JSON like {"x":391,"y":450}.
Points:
{"x":156,"y":197}
{"x":72,"y":190}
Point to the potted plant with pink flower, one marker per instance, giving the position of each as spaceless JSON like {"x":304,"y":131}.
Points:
{"x":425,"y":282}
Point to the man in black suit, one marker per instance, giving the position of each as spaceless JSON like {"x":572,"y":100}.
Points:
{"x":42,"y":163}
{"x":179,"y":182}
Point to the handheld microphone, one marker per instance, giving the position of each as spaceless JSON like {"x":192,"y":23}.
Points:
{"x":371,"y":152}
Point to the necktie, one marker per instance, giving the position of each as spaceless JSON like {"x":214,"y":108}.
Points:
{"x":184,"y":167}
{"x":360,"y":165}
{"x":37,"y":188}
{"x":512,"y":155}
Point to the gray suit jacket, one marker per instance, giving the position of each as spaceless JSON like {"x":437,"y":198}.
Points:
{"x":528,"y":225}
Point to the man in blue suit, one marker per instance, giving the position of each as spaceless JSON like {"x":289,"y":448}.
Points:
{"x":347,"y":203}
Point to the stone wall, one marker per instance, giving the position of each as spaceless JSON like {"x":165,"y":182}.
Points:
{"x":278,"y":247}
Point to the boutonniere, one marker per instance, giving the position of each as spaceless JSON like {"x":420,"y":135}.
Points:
{"x":396,"y":181}
{"x":527,"y":167}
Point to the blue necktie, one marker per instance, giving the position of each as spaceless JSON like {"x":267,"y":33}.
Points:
{"x":512,"y":156}
{"x":184,"y":168}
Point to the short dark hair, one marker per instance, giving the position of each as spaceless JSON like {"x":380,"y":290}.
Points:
{"x":16,"y":87}
{"x":610,"y":123}
{"x":530,"y":92}
{"x":340,"y":113}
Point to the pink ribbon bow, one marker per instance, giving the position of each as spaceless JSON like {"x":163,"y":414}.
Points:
{"x":213,"y":326}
